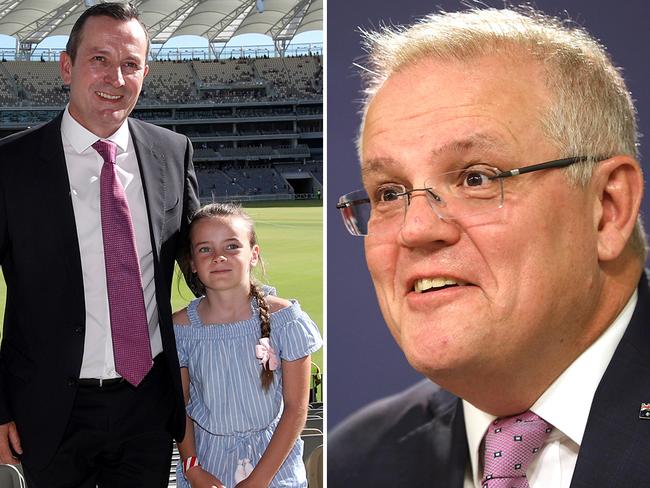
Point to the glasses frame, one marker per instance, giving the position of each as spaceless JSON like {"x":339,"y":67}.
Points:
{"x":555,"y":163}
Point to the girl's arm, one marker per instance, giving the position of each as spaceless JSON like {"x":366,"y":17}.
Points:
{"x":197,"y":476}
{"x":295,"y":392}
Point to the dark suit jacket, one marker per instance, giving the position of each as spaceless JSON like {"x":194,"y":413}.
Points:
{"x":44,"y":322}
{"x":417,"y":438}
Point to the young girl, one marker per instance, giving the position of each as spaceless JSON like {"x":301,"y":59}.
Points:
{"x":245,"y":358}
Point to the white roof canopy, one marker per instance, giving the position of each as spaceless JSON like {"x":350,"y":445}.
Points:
{"x":31,"y":21}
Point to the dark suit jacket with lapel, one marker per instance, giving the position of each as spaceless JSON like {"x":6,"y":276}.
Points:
{"x":417,"y":438}
{"x":44,"y":322}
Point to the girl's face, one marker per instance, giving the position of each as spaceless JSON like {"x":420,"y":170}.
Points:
{"x":222,"y":255}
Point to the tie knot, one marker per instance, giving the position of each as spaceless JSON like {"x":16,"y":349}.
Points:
{"x":107,"y":150}
{"x":511,"y":443}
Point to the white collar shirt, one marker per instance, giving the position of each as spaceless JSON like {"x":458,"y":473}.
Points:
{"x":84,"y":166}
{"x":565,"y":405}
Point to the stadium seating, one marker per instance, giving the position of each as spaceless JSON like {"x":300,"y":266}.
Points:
{"x":11,"y":476}
{"x":256,"y":123}
{"x":169,"y":82}
{"x":8,"y":90}
{"x":222,"y":71}
{"x":314,"y":422}
{"x":311,"y":442}
{"x":37,"y":83}
{"x":314,"y":467}
{"x":34,"y":83}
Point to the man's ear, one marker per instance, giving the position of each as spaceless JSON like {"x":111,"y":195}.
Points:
{"x":619,"y":186}
{"x":65,"y":67}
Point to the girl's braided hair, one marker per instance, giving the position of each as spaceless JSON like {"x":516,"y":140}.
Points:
{"x":265,"y":324}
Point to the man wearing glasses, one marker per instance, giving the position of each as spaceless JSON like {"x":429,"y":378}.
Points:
{"x":500,"y":215}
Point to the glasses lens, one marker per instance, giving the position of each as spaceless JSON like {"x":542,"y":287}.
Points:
{"x":355,"y":210}
{"x":467,"y":192}
{"x":456,"y":195}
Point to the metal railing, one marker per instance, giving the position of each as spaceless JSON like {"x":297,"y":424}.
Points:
{"x":161,"y":53}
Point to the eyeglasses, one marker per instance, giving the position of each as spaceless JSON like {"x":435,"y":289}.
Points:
{"x":453,"y":195}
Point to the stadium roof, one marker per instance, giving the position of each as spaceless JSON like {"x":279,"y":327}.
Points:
{"x":31,"y":21}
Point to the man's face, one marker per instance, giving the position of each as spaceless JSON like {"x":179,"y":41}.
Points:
{"x":526,"y":270}
{"x":107,"y":74}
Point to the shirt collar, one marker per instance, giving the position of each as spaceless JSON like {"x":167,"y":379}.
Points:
{"x":81,"y":138}
{"x":567,"y":402}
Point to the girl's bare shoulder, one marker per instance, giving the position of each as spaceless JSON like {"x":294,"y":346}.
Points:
{"x":276,"y":303}
{"x":180,"y":317}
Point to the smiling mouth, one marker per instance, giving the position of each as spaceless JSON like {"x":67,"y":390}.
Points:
{"x":426,"y":285}
{"x":108,"y":96}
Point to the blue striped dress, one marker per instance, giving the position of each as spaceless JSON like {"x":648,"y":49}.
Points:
{"x":234,"y":418}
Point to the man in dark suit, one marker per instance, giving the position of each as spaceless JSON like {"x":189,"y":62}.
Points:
{"x":500,"y":212}
{"x":70,"y":411}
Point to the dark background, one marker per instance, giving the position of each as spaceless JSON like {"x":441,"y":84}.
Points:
{"x":363,"y":362}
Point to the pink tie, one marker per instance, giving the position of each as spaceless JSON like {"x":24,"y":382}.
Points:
{"x":129,"y":326}
{"x":510,"y":445}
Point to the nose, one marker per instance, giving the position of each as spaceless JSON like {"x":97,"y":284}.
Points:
{"x":114,"y":76}
{"x":424,"y":226}
{"x":218,"y":258}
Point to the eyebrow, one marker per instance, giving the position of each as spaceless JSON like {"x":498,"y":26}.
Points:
{"x":478,"y":141}
{"x":102,"y":51}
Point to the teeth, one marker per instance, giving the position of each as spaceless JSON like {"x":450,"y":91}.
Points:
{"x":428,"y":283}
{"x":108,"y":96}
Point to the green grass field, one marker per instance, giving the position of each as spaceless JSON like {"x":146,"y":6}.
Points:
{"x":291,"y":242}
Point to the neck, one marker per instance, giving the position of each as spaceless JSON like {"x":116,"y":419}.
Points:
{"x":223,"y":306}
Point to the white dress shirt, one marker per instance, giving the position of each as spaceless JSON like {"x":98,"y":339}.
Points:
{"x":84,"y":166}
{"x":565,"y":405}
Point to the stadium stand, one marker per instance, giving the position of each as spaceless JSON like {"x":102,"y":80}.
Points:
{"x":169,"y":83}
{"x":314,"y":467}
{"x":225,"y":71}
{"x":37,"y":83}
{"x":11,"y":476}
{"x":8,"y":87}
{"x":256,"y":124}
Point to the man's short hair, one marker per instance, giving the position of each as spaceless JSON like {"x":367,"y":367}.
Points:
{"x":115,"y":10}
{"x":591,"y":112}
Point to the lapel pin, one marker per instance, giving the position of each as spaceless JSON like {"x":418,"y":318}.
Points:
{"x":644,"y":411}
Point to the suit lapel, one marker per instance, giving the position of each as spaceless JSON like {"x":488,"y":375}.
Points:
{"x":152,"y":165}
{"x":52,"y":185}
{"x":616,"y":441}
{"x":436,"y":453}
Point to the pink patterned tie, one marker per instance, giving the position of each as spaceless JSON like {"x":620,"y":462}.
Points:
{"x":510,"y":445}
{"x":129,"y":326}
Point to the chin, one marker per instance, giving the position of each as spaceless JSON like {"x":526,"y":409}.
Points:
{"x":425,"y":357}
{"x":433,"y":350}
{"x":430,"y":369}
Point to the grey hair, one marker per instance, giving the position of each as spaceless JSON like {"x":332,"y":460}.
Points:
{"x":591,"y":112}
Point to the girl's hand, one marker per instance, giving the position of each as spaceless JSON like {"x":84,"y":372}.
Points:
{"x":200,"y":478}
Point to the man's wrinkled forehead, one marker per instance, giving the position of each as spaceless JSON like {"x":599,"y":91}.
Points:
{"x":521,"y":73}
{"x":479,"y":142}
